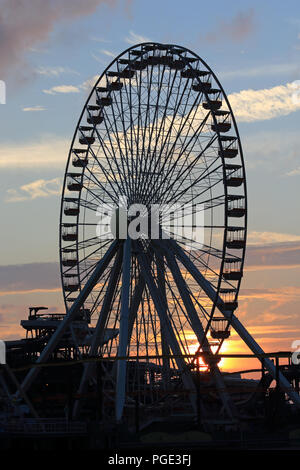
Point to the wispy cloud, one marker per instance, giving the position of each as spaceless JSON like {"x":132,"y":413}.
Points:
{"x":34,"y":108}
{"x":281,"y":255}
{"x":98,"y":59}
{"x":294,"y":172}
{"x":54,"y":71}
{"x":272,"y":151}
{"x":265,"y":238}
{"x":49,"y":152}
{"x":258,"y":105}
{"x":262,"y":71}
{"x":62,"y":89}
{"x":100,"y":39}
{"x":35,"y":189}
{"x":239,"y":28}
{"x":86,"y":85}
{"x":108,"y":53}
{"x":28,"y":277}
{"x":89,"y":83}
{"x":134,"y":38}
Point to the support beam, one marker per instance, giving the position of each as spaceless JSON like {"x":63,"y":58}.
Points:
{"x":123,"y":332}
{"x":161,"y":283}
{"x":135,"y":304}
{"x":199,"y":331}
{"x":99,"y":331}
{"x":70,"y":315}
{"x":162,"y":310}
{"x":22,"y":393}
{"x":234,"y":321}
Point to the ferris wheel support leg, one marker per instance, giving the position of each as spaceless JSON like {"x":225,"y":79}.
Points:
{"x":55,"y":338}
{"x":237,"y":325}
{"x":199,"y":331}
{"x":162,"y":309}
{"x":258,"y":351}
{"x":123,"y":332}
{"x":98,"y":335}
{"x":164,"y":344}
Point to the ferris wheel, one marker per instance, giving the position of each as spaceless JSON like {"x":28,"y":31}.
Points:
{"x":156,"y":140}
{"x":157,"y":129}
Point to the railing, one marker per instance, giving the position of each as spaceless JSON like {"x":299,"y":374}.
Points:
{"x":46,"y":426}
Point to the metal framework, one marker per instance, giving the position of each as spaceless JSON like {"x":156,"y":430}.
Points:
{"x":157,"y":129}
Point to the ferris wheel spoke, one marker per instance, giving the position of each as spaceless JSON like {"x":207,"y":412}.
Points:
{"x":184,"y":120}
{"x":123,"y":155}
{"x":128,"y":142}
{"x":124,"y":178}
{"x":166,"y":167}
{"x":162,"y":167}
{"x":93,"y":177}
{"x":85,"y":271}
{"x":88,"y":242}
{"x":151,"y":129}
{"x":133,"y":138}
{"x":108,"y":159}
{"x":198,"y":158}
{"x":95,"y":195}
{"x":146,"y":116}
{"x":205,"y":173}
{"x":203,"y":264}
{"x":111,"y":157}
{"x":162,"y":131}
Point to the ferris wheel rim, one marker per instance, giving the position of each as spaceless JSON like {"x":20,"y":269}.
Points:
{"x":220,"y":146}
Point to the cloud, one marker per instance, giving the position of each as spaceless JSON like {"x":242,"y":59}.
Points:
{"x":62,"y":89}
{"x":34,"y":190}
{"x":34,"y":108}
{"x":54,"y":71}
{"x":49,"y":152}
{"x":239,"y":28}
{"x":108,"y":53}
{"x":271,"y":294}
{"x":284,"y":255}
{"x":134,"y":38}
{"x":86,"y":85}
{"x":99,"y":39}
{"x":89,"y":83}
{"x":25,"y":24}
{"x":258,"y":105}
{"x":294,"y":172}
{"x":266,"y":149}
{"x":262,"y":71}
{"x":101,"y":61}
{"x":265,"y":238}
{"x":28,"y":277}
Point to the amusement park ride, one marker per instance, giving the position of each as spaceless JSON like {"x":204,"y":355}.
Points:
{"x":157,"y":129}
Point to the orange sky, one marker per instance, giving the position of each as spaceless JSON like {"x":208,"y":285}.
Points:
{"x":268,"y":306}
